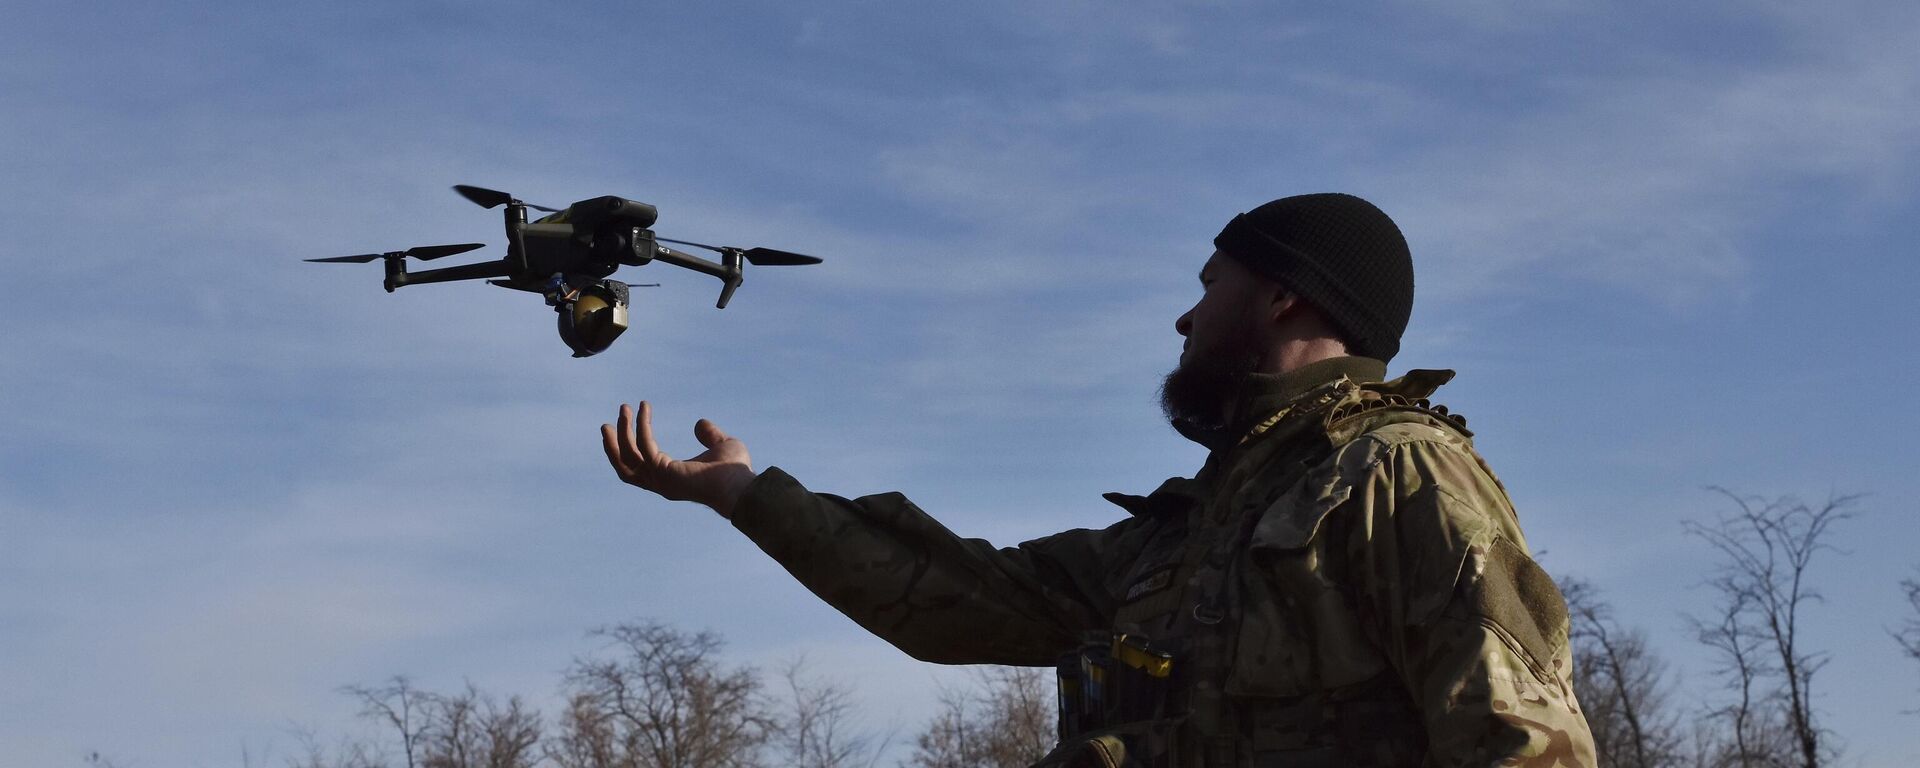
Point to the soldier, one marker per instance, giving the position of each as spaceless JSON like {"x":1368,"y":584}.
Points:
{"x":1343,"y":582}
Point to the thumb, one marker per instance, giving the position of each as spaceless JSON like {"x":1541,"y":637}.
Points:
{"x":709,"y":434}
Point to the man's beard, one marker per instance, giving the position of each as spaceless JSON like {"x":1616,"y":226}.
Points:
{"x":1201,"y":389}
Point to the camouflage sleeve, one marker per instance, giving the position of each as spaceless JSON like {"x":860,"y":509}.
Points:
{"x":1475,"y":628}
{"x":904,"y":577}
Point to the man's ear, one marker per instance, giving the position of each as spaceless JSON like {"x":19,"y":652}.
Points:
{"x":1280,"y":301}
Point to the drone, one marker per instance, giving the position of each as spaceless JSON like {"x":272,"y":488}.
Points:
{"x":567,"y":256}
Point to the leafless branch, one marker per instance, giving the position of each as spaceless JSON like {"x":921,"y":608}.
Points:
{"x":1622,"y":684}
{"x":818,"y":729}
{"x":1767,"y":547}
{"x":397,"y":704}
{"x":661,"y":701}
{"x":1005,"y":721}
{"x":1908,"y":634}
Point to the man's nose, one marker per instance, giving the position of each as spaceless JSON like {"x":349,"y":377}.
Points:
{"x":1184,"y":325}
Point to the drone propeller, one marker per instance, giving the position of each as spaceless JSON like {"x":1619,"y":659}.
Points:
{"x":759,"y":257}
{"x":423,"y":253}
{"x":488,"y":198}
{"x":768,"y":257}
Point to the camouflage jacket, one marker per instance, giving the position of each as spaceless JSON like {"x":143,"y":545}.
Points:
{"x":1344,"y":583}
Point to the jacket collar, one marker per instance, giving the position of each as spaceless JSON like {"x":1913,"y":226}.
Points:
{"x":1264,"y":395}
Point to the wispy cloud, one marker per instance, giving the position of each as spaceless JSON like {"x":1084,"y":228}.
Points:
{"x":1657,"y":180}
{"x":236,"y":481}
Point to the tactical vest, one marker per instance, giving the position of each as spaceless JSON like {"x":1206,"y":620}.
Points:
{"x":1214,"y":607}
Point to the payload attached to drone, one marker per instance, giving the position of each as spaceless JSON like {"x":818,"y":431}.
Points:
{"x":567,"y":255}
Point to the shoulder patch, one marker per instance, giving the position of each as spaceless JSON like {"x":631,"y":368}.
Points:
{"x":1514,"y":593}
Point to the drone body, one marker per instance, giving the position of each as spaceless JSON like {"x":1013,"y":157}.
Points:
{"x":567,"y":256}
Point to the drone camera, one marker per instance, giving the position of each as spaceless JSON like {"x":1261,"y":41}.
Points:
{"x":632,"y":246}
{"x":593,"y":317}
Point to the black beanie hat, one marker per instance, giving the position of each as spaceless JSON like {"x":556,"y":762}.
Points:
{"x":1338,"y":252}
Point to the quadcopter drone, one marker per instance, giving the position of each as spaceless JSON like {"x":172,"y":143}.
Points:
{"x":566,"y":257}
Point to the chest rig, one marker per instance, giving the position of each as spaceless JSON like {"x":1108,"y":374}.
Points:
{"x":1186,"y":676}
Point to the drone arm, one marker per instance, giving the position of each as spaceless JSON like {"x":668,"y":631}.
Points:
{"x":483,"y":269}
{"x":690,"y":261}
{"x":726,"y":293}
{"x":729,"y":272}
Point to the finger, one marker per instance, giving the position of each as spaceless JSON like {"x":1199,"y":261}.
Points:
{"x":623,"y":434}
{"x":610,"y":444}
{"x":649,"y":450}
{"x":632,"y":451}
{"x":708,"y":433}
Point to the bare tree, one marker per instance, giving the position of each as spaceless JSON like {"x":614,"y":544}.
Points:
{"x":1908,"y":635}
{"x":349,"y":753}
{"x":1754,"y":733}
{"x":1622,"y":685}
{"x":661,"y":701}
{"x":818,"y":729}
{"x":1023,"y":718}
{"x":948,"y":740}
{"x":397,"y":704}
{"x":1005,"y":721}
{"x":584,"y":738}
{"x":471,"y":730}
{"x":464,"y":730}
{"x":1767,"y":547}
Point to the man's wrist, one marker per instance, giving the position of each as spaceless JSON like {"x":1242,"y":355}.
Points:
{"x":733,"y":487}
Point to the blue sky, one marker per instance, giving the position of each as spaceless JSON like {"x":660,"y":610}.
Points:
{"x":1666,"y":248}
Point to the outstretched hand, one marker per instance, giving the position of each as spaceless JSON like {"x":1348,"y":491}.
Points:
{"x":716,"y":477}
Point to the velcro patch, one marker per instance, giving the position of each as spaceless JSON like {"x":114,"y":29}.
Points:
{"x":1149,"y":584}
{"x":1520,"y":597}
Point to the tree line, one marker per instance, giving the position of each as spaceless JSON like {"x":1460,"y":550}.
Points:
{"x":655,"y":696}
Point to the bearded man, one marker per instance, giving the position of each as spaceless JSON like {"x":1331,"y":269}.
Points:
{"x":1342,"y":583}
